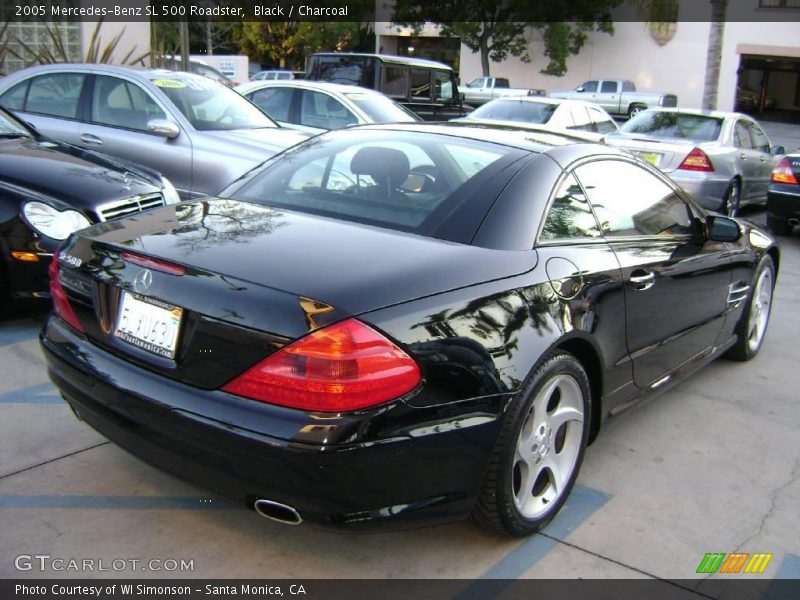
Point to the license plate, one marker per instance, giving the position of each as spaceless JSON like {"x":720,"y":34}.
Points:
{"x":149,"y":324}
{"x":651,"y":157}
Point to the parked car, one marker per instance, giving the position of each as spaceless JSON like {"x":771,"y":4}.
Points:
{"x":425,"y":87}
{"x":401,"y":324}
{"x":49,"y":190}
{"x":723,"y":159}
{"x":175,"y":122}
{"x":278,"y":75}
{"x":316,"y":106}
{"x":483,"y":89}
{"x":783,"y":195}
{"x":560,"y":115}
{"x":198,"y":67}
{"x":618,"y":96}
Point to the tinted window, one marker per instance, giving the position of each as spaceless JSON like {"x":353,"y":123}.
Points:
{"x":570,"y":216}
{"x":209,"y":105}
{"x":741,"y":135}
{"x":501,"y":83}
{"x":122,"y":104}
{"x":631,"y":201}
{"x":590,"y":86}
{"x":759,"y":138}
{"x":515,"y":110}
{"x":443,"y":86}
{"x":56,"y":94}
{"x":324,"y":112}
{"x":350,"y":70}
{"x":397,"y":180}
{"x":608,"y":87}
{"x":627,"y":86}
{"x":673,"y":125}
{"x":394,"y":81}
{"x":15,"y":97}
{"x":420,"y":83}
{"x":275,"y":101}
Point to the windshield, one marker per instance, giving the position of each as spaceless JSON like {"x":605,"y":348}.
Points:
{"x":521,"y":111}
{"x":9,"y":127}
{"x":674,"y":125}
{"x":210,"y":106}
{"x":381,"y":109}
{"x":407,"y":181}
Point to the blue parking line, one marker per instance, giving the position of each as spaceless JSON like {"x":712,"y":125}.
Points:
{"x":14,"y":333}
{"x":43,"y":393}
{"x":116,"y":502}
{"x":790,"y":568}
{"x":581,"y":504}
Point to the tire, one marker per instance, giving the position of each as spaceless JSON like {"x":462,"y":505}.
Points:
{"x":731,"y":199}
{"x":635,"y":109}
{"x":752,"y":326}
{"x":552,"y":450}
{"x":778,"y":226}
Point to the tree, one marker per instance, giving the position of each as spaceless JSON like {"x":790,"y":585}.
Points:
{"x":503,"y":26}
{"x":288,"y":43}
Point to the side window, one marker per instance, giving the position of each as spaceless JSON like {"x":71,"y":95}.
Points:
{"x":590,"y":87}
{"x":443,"y":87}
{"x":601,"y":122}
{"x":759,"y":138}
{"x":274,"y":101}
{"x":15,"y":97}
{"x":394,"y":81}
{"x":608,"y":87}
{"x":627,"y":86}
{"x":741,"y":135}
{"x":123,"y":104}
{"x":323,"y":111}
{"x":501,"y":82}
{"x":631,"y":201}
{"x":56,"y":94}
{"x":420,"y":83}
{"x":476,"y":83}
{"x":570,"y":216}
{"x":581,"y":119}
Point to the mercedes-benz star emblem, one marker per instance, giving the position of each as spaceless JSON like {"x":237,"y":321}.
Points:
{"x":142,"y":281}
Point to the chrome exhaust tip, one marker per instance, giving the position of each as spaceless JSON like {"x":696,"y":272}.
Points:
{"x":793,"y":222}
{"x":275,"y":511}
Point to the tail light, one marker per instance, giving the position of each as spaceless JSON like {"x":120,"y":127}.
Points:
{"x":696,"y":160}
{"x":61,"y":305}
{"x":339,"y":368}
{"x":782,"y":173}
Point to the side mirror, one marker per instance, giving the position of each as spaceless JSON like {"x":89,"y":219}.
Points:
{"x":164,"y":128}
{"x":778,"y":150}
{"x":722,"y":229}
{"x":580,"y":88}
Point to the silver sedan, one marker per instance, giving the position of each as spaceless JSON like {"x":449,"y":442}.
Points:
{"x":199,"y":133}
{"x":317,"y":106}
{"x":723,"y":159}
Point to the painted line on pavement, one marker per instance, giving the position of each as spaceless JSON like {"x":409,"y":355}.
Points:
{"x":581,"y":504}
{"x":42,"y":393}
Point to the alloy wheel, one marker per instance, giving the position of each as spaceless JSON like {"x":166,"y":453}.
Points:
{"x":759,"y":310}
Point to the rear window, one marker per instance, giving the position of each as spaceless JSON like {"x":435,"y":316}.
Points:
{"x":521,"y":111}
{"x":673,"y":125}
{"x":407,"y":181}
{"x":381,"y":109}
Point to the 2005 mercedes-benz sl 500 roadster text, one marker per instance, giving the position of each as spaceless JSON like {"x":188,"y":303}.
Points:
{"x":401,"y":324}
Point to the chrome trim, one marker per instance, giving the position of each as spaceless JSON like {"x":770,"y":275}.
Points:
{"x":128,"y":206}
{"x":737,"y":292}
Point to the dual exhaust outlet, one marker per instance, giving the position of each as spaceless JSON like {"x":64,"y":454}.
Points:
{"x":276,"y":511}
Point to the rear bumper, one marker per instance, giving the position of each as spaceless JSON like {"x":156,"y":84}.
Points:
{"x":783,"y":202}
{"x":389,"y":475}
{"x":707,"y":191}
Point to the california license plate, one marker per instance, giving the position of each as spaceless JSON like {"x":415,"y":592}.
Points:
{"x":149,"y":324}
{"x":651,"y":157}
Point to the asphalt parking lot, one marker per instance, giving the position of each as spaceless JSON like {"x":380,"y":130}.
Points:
{"x":710,"y":466}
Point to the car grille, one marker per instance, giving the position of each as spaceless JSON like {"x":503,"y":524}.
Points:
{"x":129,"y":206}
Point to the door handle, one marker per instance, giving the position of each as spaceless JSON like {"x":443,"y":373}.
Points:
{"x":642,"y":279}
{"x":88,"y":138}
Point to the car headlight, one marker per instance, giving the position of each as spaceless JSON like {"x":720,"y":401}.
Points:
{"x":56,"y":224}
{"x":169,"y":192}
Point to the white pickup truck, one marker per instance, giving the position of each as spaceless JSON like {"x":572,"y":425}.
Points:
{"x":482,"y":89}
{"x":618,"y":96}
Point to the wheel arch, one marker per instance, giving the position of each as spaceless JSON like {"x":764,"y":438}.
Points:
{"x":588,"y":356}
